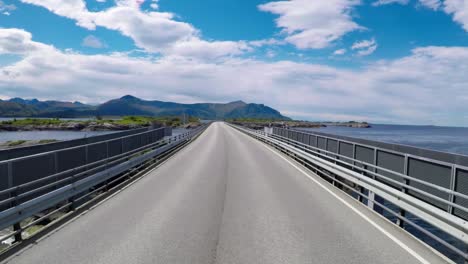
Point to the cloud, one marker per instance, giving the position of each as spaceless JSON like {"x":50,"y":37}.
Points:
{"x":386,"y":2}
{"x":154,"y":4}
{"x":155,"y":32}
{"x":405,"y":90}
{"x":93,"y":42}
{"x":459,"y":10}
{"x":266,"y":42}
{"x":6,"y":9}
{"x":432,"y":4}
{"x":365,"y":47}
{"x":313,"y":24}
{"x":339,"y":52}
{"x":17,"y":41}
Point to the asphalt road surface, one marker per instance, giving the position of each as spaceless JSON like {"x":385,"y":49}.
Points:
{"x":227,"y":198}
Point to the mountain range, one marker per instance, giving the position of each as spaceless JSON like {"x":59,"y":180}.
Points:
{"x":130,"y":105}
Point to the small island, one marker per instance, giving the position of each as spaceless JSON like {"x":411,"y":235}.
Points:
{"x":260,"y":123}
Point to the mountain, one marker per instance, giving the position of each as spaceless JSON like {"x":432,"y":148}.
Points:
{"x":130,"y":105}
{"x":18,"y":107}
{"x":10,"y":109}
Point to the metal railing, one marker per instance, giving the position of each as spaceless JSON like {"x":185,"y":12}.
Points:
{"x":382,"y":189}
{"x":410,"y":169}
{"x":22,"y":151}
{"x":70,"y":187}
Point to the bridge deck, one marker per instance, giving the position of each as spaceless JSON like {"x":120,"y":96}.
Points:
{"x":227,"y":198}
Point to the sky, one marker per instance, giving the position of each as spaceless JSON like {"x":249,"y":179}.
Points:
{"x":381,"y":61}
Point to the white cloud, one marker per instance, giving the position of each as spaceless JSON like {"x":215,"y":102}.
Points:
{"x":196,"y":48}
{"x":154,"y":4}
{"x":93,"y":42}
{"x":313,"y":24}
{"x":365,"y":47}
{"x":6,"y":8}
{"x":266,"y":42}
{"x":339,"y":52}
{"x":459,"y":10}
{"x":432,"y":4}
{"x":17,"y":41}
{"x":156,"y":32}
{"x":270,"y":54}
{"x":363,"y":44}
{"x":406,"y":90}
{"x":386,"y":2}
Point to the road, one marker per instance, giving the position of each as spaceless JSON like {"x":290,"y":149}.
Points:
{"x":227,"y":198}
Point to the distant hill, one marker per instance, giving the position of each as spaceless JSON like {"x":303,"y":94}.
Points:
{"x":18,"y":107}
{"x":130,"y":105}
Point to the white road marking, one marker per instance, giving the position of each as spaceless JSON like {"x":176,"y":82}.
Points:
{"x":393,"y":238}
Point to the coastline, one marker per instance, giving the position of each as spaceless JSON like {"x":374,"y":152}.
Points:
{"x":126,"y":123}
{"x":259,"y":124}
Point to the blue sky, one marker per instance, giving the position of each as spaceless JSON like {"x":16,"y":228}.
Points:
{"x":386,"y":61}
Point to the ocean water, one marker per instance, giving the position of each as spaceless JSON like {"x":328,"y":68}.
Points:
{"x":446,"y":139}
{"x":42,"y":135}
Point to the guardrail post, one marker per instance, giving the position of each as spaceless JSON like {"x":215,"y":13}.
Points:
{"x":370,"y":201}
{"x":453,"y":176}
{"x":18,"y":237}
{"x":402,"y":212}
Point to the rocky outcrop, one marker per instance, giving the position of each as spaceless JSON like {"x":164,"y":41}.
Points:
{"x":70,"y":126}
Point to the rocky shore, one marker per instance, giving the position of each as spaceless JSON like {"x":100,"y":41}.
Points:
{"x":96,"y":125}
{"x":298,"y":124}
{"x":352,"y":124}
{"x":70,"y":126}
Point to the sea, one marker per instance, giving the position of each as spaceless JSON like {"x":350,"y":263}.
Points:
{"x":446,"y":139}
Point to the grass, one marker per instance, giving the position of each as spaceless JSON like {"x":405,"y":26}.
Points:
{"x":32,"y":230}
{"x":47,"y":141}
{"x":147,"y":120}
{"x":16,"y":143}
{"x":125,"y":121}
{"x":33,"y":122}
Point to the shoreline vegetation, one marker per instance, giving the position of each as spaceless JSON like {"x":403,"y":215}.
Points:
{"x":260,"y":123}
{"x":99,"y":124}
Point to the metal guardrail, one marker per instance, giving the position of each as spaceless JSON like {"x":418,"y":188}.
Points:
{"x":399,"y":167}
{"x":374,"y":186}
{"x":17,"y":152}
{"x":68,"y":188}
{"x":31,"y":171}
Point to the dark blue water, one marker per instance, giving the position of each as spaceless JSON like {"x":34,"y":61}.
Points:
{"x":447,"y":139}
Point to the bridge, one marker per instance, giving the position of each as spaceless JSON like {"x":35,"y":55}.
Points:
{"x":227,"y":194}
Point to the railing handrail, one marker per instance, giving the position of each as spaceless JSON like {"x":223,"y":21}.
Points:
{"x":396,"y":152}
{"x":431,"y":185}
{"x":76,"y":147}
